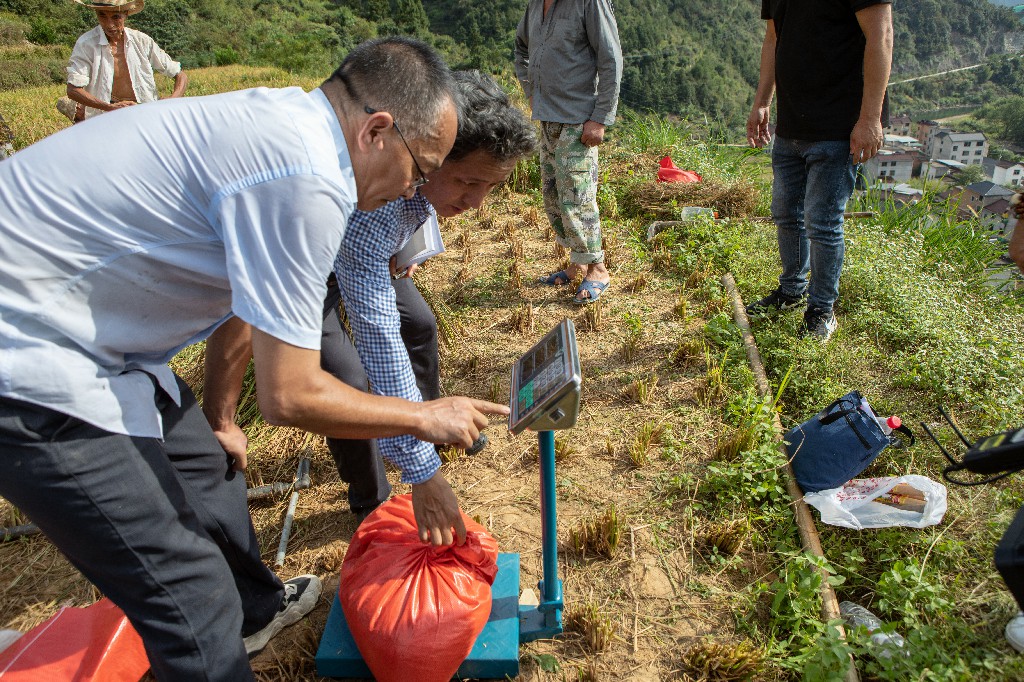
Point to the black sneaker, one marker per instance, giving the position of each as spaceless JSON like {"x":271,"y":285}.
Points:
{"x":775,"y":302}
{"x":363,"y":512}
{"x":819,"y":323}
{"x":300,"y":596}
{"x":479,"y":444}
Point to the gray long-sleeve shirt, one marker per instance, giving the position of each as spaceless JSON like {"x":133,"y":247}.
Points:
{"x":569,"y":62}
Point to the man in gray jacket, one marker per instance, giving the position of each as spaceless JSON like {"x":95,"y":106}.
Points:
{"x":570,"y":65}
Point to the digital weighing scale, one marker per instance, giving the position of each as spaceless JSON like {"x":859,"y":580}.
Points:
{"x":545,"y":397}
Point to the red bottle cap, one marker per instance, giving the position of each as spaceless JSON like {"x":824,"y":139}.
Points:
{"x":894,"y":422}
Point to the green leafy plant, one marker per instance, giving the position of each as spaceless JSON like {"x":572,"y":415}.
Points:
{"x":908,"y":591}
{"x":642,"y":390}
{"x":722,"y":662}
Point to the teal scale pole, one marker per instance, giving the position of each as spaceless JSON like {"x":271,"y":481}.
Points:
{"x":546,"y":621}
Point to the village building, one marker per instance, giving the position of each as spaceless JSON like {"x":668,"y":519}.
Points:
{"x":901,"y":142}
{"x":984,"y":201}
{"x":926,"y":131}
{"x":982,"y":194}
{"x":894,"y":166}
{"x":967,"y":148}
{"x":940,"y":168}
{"x":894,"y":196}
{"x":898,"y":125}
{"x":996,"y":216}
{"x":1005,"y":173}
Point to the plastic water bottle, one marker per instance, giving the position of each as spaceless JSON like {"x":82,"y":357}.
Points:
{"x":865,"y":407}
{"x":885,"y":643}
{"x":887,"y":424}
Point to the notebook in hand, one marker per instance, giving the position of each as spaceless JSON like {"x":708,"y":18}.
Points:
{"x":425,"y":243}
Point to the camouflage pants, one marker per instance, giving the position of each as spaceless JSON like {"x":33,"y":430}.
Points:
{"x":568,"y":171}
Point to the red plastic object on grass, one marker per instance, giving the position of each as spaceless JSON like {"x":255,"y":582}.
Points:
{"x":669,"y":173}
{"x":415,"y":610}
{"x":91,"y":644}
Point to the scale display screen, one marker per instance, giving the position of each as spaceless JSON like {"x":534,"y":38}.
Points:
{"x":543,"y":379}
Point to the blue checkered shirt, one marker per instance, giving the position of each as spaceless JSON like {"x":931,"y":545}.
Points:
{"x":363,"y":270}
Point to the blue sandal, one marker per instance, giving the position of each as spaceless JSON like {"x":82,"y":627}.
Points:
{"x":556,"y":279}
{"x":593,"y":288}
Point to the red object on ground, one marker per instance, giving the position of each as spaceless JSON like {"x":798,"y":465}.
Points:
{"x":669,"y":173}
{"x":91,"y":644}
{"x":415,"y":610}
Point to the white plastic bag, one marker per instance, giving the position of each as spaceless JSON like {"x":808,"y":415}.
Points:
{"x":855,"y":504}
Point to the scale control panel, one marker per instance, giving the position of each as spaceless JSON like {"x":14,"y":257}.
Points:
{"x":546,"y":383}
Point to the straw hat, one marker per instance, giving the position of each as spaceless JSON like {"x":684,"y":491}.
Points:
{"x":129,"y":7}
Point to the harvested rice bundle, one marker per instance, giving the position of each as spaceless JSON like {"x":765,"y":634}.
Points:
{"x":663,"y":200}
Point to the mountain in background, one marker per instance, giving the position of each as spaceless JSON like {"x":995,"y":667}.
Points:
{"x":689,"y":58}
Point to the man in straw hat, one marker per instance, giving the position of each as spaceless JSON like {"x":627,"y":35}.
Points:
{"x":206,"y":208}
{"x":112,"y":65}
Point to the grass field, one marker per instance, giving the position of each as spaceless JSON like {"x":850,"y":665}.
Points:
{"x":31,"y":112}
{"x":674,"y":454}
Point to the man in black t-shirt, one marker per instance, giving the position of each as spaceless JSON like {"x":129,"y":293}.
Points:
{"x":829,"y":61}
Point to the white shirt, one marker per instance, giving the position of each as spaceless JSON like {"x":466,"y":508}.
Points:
{"x":92,"y":66}
{"x":192,"y":209}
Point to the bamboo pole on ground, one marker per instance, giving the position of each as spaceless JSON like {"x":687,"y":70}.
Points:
{"x":804,"y":521}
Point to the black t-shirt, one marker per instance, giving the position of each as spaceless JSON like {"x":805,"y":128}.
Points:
{"x":819,"y":66}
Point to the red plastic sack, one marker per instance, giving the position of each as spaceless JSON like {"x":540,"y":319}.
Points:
{"x":669,"y":173}
{"x":415,"y":610}
{"x":91,"y":644}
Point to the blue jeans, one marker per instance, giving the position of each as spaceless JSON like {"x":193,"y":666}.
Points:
{"x":813,"y":182}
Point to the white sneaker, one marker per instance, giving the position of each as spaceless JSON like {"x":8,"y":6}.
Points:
{"x":300,"y":596}
{"x":1015,"y":631}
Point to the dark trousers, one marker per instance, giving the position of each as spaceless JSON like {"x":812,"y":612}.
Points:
{"x":359,"y":461}
{"x":160,"y":527}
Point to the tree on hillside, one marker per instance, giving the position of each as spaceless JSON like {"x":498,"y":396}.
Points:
{"x":1007,"y":117}
{"x":1003,"y":154}
{"x":969,"y":175}
{"x":411,"y":17}
{"x":169,"y":23}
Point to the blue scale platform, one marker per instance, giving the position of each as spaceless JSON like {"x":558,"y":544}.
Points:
{"x":495,"y":654}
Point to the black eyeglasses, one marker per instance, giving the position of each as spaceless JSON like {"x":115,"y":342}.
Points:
{"x":422,"y":180}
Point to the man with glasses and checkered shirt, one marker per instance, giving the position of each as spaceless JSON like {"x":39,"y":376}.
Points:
{"x":394,"y":328}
